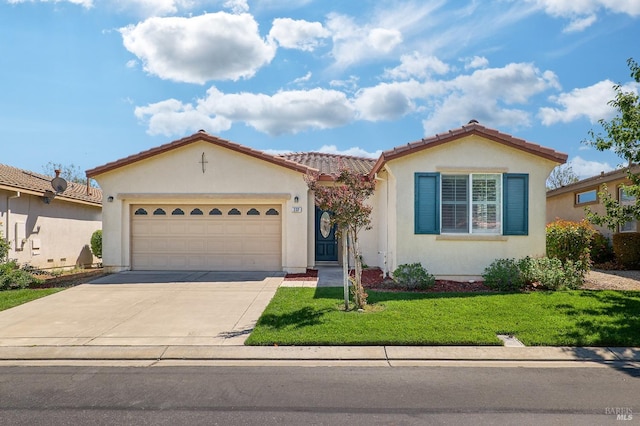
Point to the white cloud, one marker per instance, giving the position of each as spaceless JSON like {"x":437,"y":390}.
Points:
{"x":172,"y":117}
{"x":131,"y":63}
{"x":583,"y":13}
{"x":476,"y":62}
{"x":298,"y":34}
{"x":237,"y":6}
{"x":214,"y":46}
{"x":353,"y":44}
{"x":580,"y":24}
{"x":303,"y":79}
{"x":586,"y":168}
{"x":148,"y":8}
{"x":589,"y":102}
{"x":418,"y":66}
{"x":355,"y":151}
{"x":387,"y":101}
{"x":284,"y":112}
{"x":489,"y":95}
{"x":87,"y":4}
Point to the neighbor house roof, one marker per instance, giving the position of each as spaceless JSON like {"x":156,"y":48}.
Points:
{"x":594,"y":181}
{"x":473,"y":128}
{"x":14,"y":179}
{"x":330,"y":164}
{"x":200,"y":136}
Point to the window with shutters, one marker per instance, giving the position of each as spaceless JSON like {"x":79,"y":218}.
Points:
{"x":476,"y":203}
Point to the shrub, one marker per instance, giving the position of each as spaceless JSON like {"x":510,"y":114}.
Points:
{"x":504,"y":275}
{"x":626,"y":247}
{"x":568,"y":240}
{"x":96,"y":243}
{"x":4,"y":248}
{"x":11,"y":277}
{"x":552,"y":273}
{"x":413,"y":276}
{"x":600,"y":249}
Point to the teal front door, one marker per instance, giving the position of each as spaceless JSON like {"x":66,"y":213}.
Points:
{"x":326,"y":242}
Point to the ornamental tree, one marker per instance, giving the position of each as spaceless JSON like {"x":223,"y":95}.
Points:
{"x":622,"y":135}
{"x":346,"y":200}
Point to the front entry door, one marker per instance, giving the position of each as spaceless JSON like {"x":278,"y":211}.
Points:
{"x":326,"y":243}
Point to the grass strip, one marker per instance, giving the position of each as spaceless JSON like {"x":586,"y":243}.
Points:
{"x":306,"y":316}
{"x":11,"y":298}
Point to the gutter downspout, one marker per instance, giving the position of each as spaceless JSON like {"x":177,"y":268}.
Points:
{"x":386,"y":236}
{"x":7,"y":227}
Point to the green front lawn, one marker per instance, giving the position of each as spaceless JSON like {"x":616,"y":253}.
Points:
{"x":306,"y":316}
{"x":11,"y":298}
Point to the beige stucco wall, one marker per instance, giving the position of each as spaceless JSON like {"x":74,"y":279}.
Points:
{"x":463,"y":256}
{"x":62,"y":230}
{"x":561,"y":205}
{"x":230,"y":178}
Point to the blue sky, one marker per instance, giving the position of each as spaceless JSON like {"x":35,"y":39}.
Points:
{"x":86,"y":82}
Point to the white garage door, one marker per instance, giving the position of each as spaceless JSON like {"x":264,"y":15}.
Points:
{"x":206,"y":237}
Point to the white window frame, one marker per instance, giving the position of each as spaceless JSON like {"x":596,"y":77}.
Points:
{"x":473,"y":205}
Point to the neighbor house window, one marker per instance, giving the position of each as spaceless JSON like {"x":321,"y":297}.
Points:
{"x":485,"y":203}
{"x":585,"y":197}
{"x":627,"y":200}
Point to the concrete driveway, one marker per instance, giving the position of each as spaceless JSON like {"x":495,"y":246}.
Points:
{"x":145,"y":308}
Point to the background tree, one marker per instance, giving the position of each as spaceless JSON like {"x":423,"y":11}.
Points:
{"x":346,"y":200}
{"x":622,"y":135}
{"x":561,"y":176}
{"x":70,"y":173}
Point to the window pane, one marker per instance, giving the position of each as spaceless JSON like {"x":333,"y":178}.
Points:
{"x":586,"y":197}
{"x":455,"y":210}
{"x":486,"y":203}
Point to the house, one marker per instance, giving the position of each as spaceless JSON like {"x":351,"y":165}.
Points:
{"x":454,"y":202}
{"x":44,"y":229}
{"x":569,"y":202}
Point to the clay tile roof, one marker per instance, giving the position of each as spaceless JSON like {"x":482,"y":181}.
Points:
{"x":473,"y":128}
{"x":199,"y":136}
{"x":330,"y":164}
{"x":15,"y":179}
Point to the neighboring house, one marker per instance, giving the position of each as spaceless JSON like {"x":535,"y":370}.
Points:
{"x":569,"y":202}
{"x":454,"y":202}
{"x":44,"y":229}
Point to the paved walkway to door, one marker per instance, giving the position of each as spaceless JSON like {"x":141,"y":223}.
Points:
{"x":145,"y":308}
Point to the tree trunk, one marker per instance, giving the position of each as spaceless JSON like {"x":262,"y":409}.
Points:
{"x":359,"y":295}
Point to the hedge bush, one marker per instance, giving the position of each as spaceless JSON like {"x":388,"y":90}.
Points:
{"x":96,"y":243}
{"x":12,"y":277}
{"x":549,"y":272}
{"x":626,"y":246}
{"x":504,"y":275}
{"x":4,"y":248}
{"x":568,"y":240}
{"x":600,"y":249}
{"x":413,"y":276}
{"x":552,"y":273}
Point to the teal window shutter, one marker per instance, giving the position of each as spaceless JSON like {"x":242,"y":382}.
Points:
{"x":515,"y":204}
{"x":427,"y":204}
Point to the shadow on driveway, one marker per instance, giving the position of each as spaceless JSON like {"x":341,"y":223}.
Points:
{"x":154,"y":277}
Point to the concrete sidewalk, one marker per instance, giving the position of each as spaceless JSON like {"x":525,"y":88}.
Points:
{"x":322,"y":355}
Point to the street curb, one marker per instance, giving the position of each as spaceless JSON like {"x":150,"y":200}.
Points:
{"x":320,"y":353}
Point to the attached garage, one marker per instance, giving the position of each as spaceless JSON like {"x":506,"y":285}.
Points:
{"x":206,"y":237}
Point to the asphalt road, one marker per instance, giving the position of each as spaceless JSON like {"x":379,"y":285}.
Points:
{"x":318,"y":395}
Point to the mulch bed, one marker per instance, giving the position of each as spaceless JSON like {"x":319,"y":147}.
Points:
{"x":310,"y":275}
{"x":69,"y":280}
{"x":373,"y":279}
